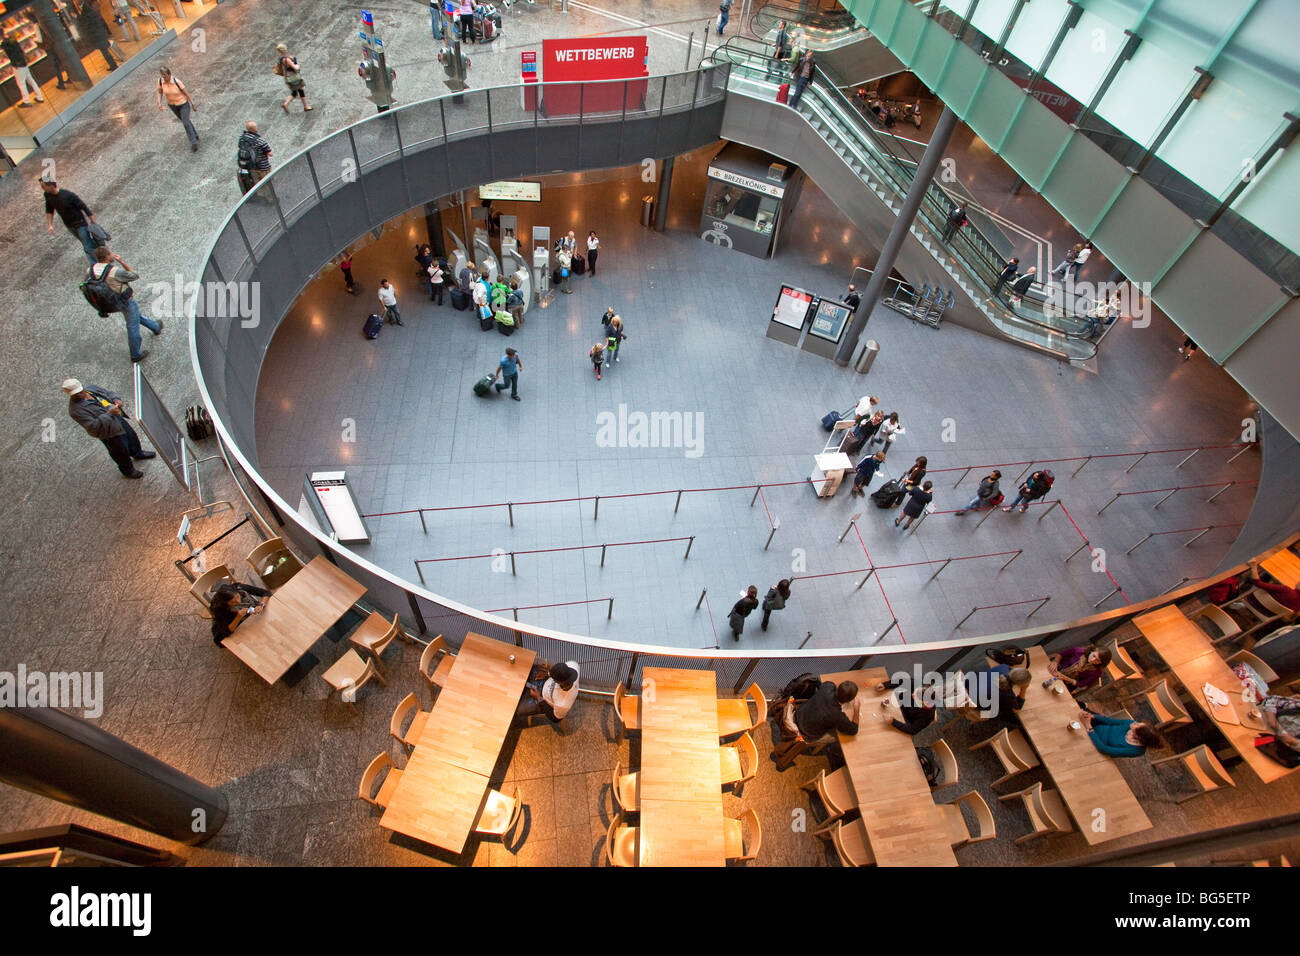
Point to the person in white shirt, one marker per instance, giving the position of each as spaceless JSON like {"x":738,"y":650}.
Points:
{"x":479,"y":292}
{"x":1080,"y":258}
{"x":885,"y":435}
{"x":550,"y":692}
{"x":388,"y":299}
{"x":593,"y":250}
{"x":866,"y":405}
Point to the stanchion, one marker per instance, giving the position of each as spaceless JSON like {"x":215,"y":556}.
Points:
{"x":1137,"y":461}
{"x":515,"y":611}
{"x":1219,"y":492}
{"x":963,"y":476}
{"x":986,"y":517}
{"x":610,"y":615}
{"x":1076,"y":551}
{"x":1106,"y":598}
{"x":1118,"y":494}
{"x":1188,"y":543}
{"x":757,"y":489}
{"x":595,"y":516}
{"x":892,"y":624}
{"x":510,"y":507}
{"x":688,"y":548}
{"x":1187,"y":459}
{"x":1039,"y":608}
{"x":1174,"y":587}
{"x":679,"y":501}
{"x":947,"y":561}
{"x":852,"y":522}
{"x":1028,"y":468}
{"x":1172,"y":492}
{"x":1019,"y":552}
{"x":701,"y":600}
{"x":419,"y":571}
{"x":422,"y":523}
{"x":776,"y":523}
{"x":512,"y":562}
{"x":1139,"y":544}
{"x":1048,"y":511}
{"x":917,"y":523}
{"x":805,"y":640}
{"x":870,"y":572}
{"x":602,"y":554}
{"x":966,"y":618}
{"x":1244,"y":448}
{"x":1080,"y":468}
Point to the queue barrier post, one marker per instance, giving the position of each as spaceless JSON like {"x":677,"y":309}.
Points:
{"x":1048,"y":511}
{"x":1080,"y":468}
{"x":1140,"y":543}
{"x":422,"y":521}
{"x":776,"y":523}
{"x":610,"y":615}
{"x":870,"y":572}
{"x":1112,"y":593}
{"x":1244,"y":448}
{"x":419,"y":571}
{"x":892,"y":624}
{"x":1174,"y":587}
{"x":1219,"y":492}
{"x":1188,"y":543}
{"x":679,"y":501}
{"x":701,"y":600}
{"x":805,"y":640}
{"x":946,"y":562}
{"x":688,"y":548}
{"x":1187,"y":459}
{"x":1137,"y":461}
{"x":1026,"y":471}
{"x":963,"y":476}
{"x":966,"y":618}
{"x":757,"y":489}
{"x":512,"y":562}
{"x":1019,"y":552}
{"x":595,"y":515}
{"x":1118,"y":495}
{"x":602,"y":554}
{"x":1172,"y":492}
{"x":1038,"y":608}
{"x":1077,"y":550}
{"x":986,"y":516}
{"x":852,"y":521}
{"x":510,"y":507}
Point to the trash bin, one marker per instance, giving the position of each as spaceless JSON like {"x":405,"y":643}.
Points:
{"x":647,"y":211}
{"x":868,"y":355}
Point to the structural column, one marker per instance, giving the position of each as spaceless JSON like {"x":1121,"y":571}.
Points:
{"x":661,"y":202}
{"x":71,"y":760}
{"x":54,"y":33}
{"x":925,"y":171}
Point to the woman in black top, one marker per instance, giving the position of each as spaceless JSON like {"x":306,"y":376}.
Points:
{"x":741,"y":610}
{"x":775,"y":599}
{"x":917,"y":499}
{"x":424,"y":256}
{"x":915,"y":473}
{"x":231,"y":603}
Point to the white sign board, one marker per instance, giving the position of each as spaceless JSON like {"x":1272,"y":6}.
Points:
{"x":754,"y":185}
{"x":335,"y":497}
{"x":792,"y":307}
{"x":526,"y":192}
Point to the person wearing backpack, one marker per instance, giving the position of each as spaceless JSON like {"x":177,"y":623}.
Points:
{"x":101,"y":414}
{"x":1039,"y":484}
{"x":254,"y":155}
{"x":179,"y":102}
{"x":287,"y":67}
{"x":108,"y":283}
{"x":988,"y":495}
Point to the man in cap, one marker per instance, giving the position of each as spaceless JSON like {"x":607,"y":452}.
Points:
{"x":101,"y":414}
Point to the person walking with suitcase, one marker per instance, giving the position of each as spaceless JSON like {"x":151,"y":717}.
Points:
{"x":917,"y":499}
{"x":988,"y":495}
{"x":388,"y":299}
{"x":775,"y":600}
{"x":508,"y":370}
{"x":593,"y":250}
{"x":741,"y":610}
{"x":915,"y":473}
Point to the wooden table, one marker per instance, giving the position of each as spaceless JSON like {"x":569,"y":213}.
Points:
{"x":1285,"y":566}
{"x":445,"y":782}
{"x":903,"y":823}
{"x":680,"y":794}
{"x":1087,"y":779}
{"x":1194,"y":660}
{"x":294,"y":619}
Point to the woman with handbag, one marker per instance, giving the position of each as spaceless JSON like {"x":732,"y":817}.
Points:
{"x":287,"y":67}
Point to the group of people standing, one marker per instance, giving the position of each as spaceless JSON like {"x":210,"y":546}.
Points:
{"x":774,"y":600}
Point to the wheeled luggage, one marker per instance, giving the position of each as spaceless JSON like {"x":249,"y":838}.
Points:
{"x":579,"y":264}
{"x":485,"y":319}
{"x":484,"y":386}
{"x":459,"y":300}
{"x":373,"y":324}
{"x":889,"y":495}
{"x":852,"y":444}
{"x":829,"y":420}
{"x":783,"y":93}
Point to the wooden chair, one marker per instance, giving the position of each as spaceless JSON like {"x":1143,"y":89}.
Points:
{"x":626,"y":788}
{"x":957,"y":829}
{"x":835,"y":792}
{"x":1269,"y":675}
{"x":349,"y":674}
{"x":270,"y":552}
{"x":204,"y":584}
{"x":1262,"y":608}
{"x":372,"y":773}
{"x":733,"y":713}
{"x":1217,"y":623}
{"x":1206,"y":771}
{"x":627,"y":712}
{"x":1047,"y":814}
{"x":1121,"y":666}
{"x":500,"y":813}
{"x":1013,"y":752}
{"x":408,"y":737}
{"x":373,"y":635}
{"x":620,"y":843}
{"x":1164,"y":702}
{"x":850,"y":841}
{"x":947,"y":760}
{"x":435,"y":675}
{"x":738,"y":762}
{"x":734,"y":829}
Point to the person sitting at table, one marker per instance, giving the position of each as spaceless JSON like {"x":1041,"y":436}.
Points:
{"x":832,"y":707}
{"x":550,"y":692}
{"x":1011,"y":688}
{"x":915,"y":718}
{"x":1117,"y":737}
{"x":1079,"y":667}
{"x":231,"y":602}
{"x":1289,"y":598}
{"x":1282,"y":716}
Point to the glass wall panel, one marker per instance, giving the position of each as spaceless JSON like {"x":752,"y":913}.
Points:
{"x":991,"y":16}
{"x":1035,"y":29}
{"x":1084,"y":57}
{"x":1145,"y":91}
{"x":1217,"y":135}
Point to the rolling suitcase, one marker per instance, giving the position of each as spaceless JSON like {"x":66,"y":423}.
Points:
{"x":373,"y":324}
{"x":579,"y":265}
{"x":829,"y":420}
{"x":851,"y":444}
{"x":888,"y":495}
{"x":485,"y":320}
{"x":783,"y":93}
{"x":459,"y":300}
{"x":483,"y":387}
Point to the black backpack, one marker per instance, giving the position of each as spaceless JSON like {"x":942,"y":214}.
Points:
{"x":930,"y":765}
{"x":247,"y":156}
{"x":197,"y":423}
{"x":104,"y":298}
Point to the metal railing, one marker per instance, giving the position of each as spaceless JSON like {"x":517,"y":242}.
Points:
{"x":226,"y":354}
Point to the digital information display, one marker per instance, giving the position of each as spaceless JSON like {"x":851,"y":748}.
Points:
{"x":524,"y":192}
{"x":340,"y":508}
{"x":792,"y":307}
{"x":830,"y":321}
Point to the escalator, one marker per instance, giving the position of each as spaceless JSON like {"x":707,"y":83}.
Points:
{"x":830,"y":137}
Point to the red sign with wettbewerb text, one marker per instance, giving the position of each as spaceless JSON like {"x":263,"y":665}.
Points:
{"x":594,"y":58}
